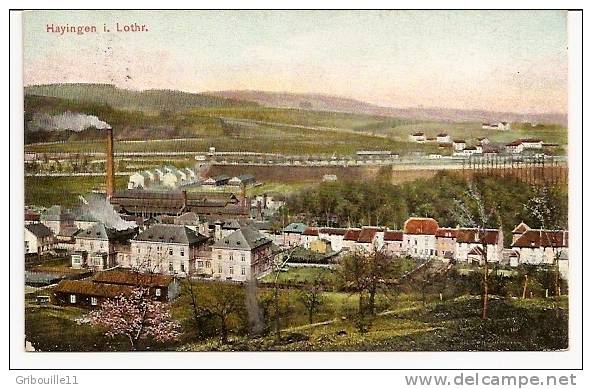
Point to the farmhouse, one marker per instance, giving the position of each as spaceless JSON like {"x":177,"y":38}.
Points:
{"x":166,"y":249}
{"x":334,"y":236}
{"x":241,"y":256}
{"x":309,"y":235}
{"x":107,"y":285}
{"x":140,"y":180}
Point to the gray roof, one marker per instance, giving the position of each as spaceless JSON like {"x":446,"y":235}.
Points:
{"x":39,"y":230}
{"x":245,"y":238}
{"x":170,"y":233}
{"x":100,"y":231}
{"x":297,"y":228}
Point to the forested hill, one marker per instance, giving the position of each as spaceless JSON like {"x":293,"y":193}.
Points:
{"x":153,"y":100}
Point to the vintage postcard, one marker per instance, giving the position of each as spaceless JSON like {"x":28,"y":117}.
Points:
{"x":348,"y":181}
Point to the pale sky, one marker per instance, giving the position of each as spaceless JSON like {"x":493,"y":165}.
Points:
{"x":495,"y":60}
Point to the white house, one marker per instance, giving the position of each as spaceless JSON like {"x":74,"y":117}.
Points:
{"x":469,"y":238}
{"x":443,"y":138}
{"x":139,"y":180}
{"x":458,"y":145}
{"x":501,"y":126}
{"x":532,"y":143}
{"x":242,"y":180}
{"x":166,"y":249}
{"x":393,"y":242}
{"x":309,"y":235}
{"x":293,"y":234}
{"x":418,"y":137}
{"x":515,"y":147}
{"x":39,"y":239}
{"x":419,"y":237}
{"x":468,"y":151}
{"x":100,"y":247}
{"x":536,"y":247}
{"x":241,"y":256}
{"x":334,"y":236}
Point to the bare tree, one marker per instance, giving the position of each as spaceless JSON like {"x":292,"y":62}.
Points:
{"x":311,"y":296}
{"x":473,"y":213}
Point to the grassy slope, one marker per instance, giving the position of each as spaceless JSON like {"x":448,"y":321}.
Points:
{"x":47,"y":191}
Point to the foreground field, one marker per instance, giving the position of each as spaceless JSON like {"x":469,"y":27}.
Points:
{"x":453,"y":325}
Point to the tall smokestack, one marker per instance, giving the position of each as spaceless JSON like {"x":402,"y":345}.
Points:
{"x":110,"y":164}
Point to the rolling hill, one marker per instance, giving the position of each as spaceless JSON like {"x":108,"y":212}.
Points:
{"x":321,"y":102}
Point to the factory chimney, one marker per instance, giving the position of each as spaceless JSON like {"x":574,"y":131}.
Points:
{"x":110,"y":164}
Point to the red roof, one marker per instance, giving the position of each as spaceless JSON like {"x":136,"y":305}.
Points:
{"x":472,"y":235}
{"x":542,"y":238}
{"x":515,"y":143}
{"x":311,"y":231}
{"x":367,"y":234}
{"x":421,"y":226}
{"x":390,"y":236}
{"x":352,"y":234}
{"x":447,"y":233}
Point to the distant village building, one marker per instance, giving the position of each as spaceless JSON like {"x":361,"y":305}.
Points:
{"x":532,"y":143}
{"x":483,"y":141}
{"x":458,"y":145}
{"x":515,"y":147}
{"x":241,"y":256}
{"x":443,"y":138}
{"x":219,"y":180}
{"x":39,"y":239}
{"x":501,"y":126}
{"x":329,"y":178}
{"x":321,"y":246}
{"x":472,"y":150}
{"x":418,"y":137}
{"x":242,"y":180}
{"x":446,"y":243}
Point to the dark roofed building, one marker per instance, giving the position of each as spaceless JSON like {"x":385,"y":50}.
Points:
{"x":39,"y":239}
{"x":243,"y":255}
{"x":166,"y":249}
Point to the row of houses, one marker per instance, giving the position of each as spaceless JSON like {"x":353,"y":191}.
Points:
{"x":166,"y":176}
{"x":420,"y":137}
{"x":424,"y":238}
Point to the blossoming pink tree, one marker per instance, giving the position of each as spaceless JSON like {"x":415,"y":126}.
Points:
{"x":137,"y":317}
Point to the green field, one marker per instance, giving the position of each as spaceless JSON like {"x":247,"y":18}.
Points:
{"x":48,"y":191}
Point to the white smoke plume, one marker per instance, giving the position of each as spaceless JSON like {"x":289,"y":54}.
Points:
{"x":66,"y":121}
{"x":100,"y":208}
{"x":255,"y":318}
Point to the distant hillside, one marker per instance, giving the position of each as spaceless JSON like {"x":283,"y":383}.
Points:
{"x":320,"y":102}
{"x":153,"y":100}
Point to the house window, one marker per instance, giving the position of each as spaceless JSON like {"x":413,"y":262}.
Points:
{"x":170,"y":266}
{"x":26,"y":246}
{"x":170,"y":251}
{"x":243,"y":271}
{"x":182,"y":252}
{"x":182,"y":267}
{"x":199,"y":263}
{"x":208,"y":264}
{"x":219,"y":257}
{"x":157,"y":292}
{"x":243,"y":257}
{"x":94,"y":301}
{"x":219,"y":268}
{"x":138,"y":250}
{"x":77,"y":259}
{"x":72,"y":299}
{"x":230,"y":257}
{"x":231,"y":270}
